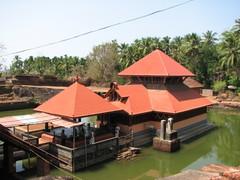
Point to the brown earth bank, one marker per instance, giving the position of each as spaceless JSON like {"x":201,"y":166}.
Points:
{"x":209,"y":172}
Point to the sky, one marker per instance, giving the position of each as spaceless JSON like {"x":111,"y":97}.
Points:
{"x":29,"y":23}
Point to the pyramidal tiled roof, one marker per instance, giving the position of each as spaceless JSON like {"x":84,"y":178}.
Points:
{"x":156,"y":63}
{"x":76,"y":101}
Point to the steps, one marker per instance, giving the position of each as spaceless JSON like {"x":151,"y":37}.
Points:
{"x":194,"y":130}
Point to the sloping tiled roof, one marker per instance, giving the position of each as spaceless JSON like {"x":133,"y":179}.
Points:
{"x":192,"y":83}
{"x":167,"y":100}
{"x":176,"y":101}
{"x":76,"y":101}
{"x":137,"y":100}
{"x":156,"y":63}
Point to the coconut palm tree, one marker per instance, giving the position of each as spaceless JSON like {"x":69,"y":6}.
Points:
{"x":209,"y":37}
{"x":230,"y":51}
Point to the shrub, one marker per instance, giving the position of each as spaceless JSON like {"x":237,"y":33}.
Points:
{"x":238,"y":91}
{"x":233,"y":80}
{"x":219,"y":86}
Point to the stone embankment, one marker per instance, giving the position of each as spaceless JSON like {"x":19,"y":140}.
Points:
{"x":209,"y":172}
{"x":225,"y":103}
{"x":38,"y":93}
{"x":10,"y":100}
{"x":25,"y":96}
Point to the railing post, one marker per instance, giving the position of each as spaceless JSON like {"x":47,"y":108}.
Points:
{"x":28,"y":153}
{"x":73,"y":160}
{"x":8,"y":158}
{"x":85,"y":143}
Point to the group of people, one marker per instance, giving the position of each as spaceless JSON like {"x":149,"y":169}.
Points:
{"x":88,"y":132}
{"x":81,"y":131}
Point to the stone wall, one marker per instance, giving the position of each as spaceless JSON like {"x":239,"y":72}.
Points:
{"x":189,"y":121}
{"x":39,"y":94}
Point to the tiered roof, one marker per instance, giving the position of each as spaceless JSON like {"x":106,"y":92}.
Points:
{"x":155,"y":64}
{"x":175,"y":101}
{"x":76,"y":101}
{"x":169,"y":100}
{"x":136,"y":100}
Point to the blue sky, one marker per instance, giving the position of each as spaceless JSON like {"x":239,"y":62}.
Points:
{"x":29,"y":23}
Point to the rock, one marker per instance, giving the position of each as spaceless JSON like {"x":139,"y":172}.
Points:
{"x":224,"y":96}
{"x":225,"y":172}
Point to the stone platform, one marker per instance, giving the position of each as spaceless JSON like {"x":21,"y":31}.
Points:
{"x":166,"y":145}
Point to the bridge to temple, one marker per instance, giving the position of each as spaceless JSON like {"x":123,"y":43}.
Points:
{"x":11,"y":142}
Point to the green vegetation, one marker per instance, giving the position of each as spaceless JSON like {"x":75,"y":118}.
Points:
{"x":219,"y":86}
{"x":212,"y":59}
{"x":102,"y":62}
{"x":62,"y":67}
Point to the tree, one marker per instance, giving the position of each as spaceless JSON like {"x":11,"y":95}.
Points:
{"x":236,"y":27}
{"x":177,"y":49}
{"x":129,"y":54}
{"x":17,"y":66}
{"x":165,"y":42}
{"x":230,"y":51}
{"x":102,"y":62}
{"x":29,"y":65}
{"x":191,"y":49}
{"x":208,"y":58}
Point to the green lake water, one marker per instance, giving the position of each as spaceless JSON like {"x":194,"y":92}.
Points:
{"x":221,"y":145}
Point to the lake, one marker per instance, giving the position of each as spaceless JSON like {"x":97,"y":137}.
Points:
{"x":221,"y":145}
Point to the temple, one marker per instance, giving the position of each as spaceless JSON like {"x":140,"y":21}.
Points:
{"x":155,"y":92}
{"x":82,"y":128}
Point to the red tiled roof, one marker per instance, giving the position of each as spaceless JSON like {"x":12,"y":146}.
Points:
{"x":76,"y":101}
{"x":156,"y":63}
{"x":169,"y":100}
{"x":137,"y":100}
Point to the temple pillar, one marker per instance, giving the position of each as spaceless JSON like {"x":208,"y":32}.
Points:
{"x":168,"y":140}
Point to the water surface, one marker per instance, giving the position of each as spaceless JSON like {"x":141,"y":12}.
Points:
{"x":219,"y":146}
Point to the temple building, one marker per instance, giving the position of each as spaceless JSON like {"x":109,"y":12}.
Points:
{"x":78,"y":128}
{"x":156,"y":91}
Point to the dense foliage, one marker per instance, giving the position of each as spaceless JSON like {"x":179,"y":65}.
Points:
{"x":62,"y":67}
{"x":211,"y":59}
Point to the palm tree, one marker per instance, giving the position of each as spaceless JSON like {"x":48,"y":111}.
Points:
{"x":230,"y":51}
{"x":236,"y":27}
{"x":17,"y":66}
{"x":166,"y":45}
{"x":209,"y":37}
{"x":176,"y":49}
{"x":191,"y":49}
